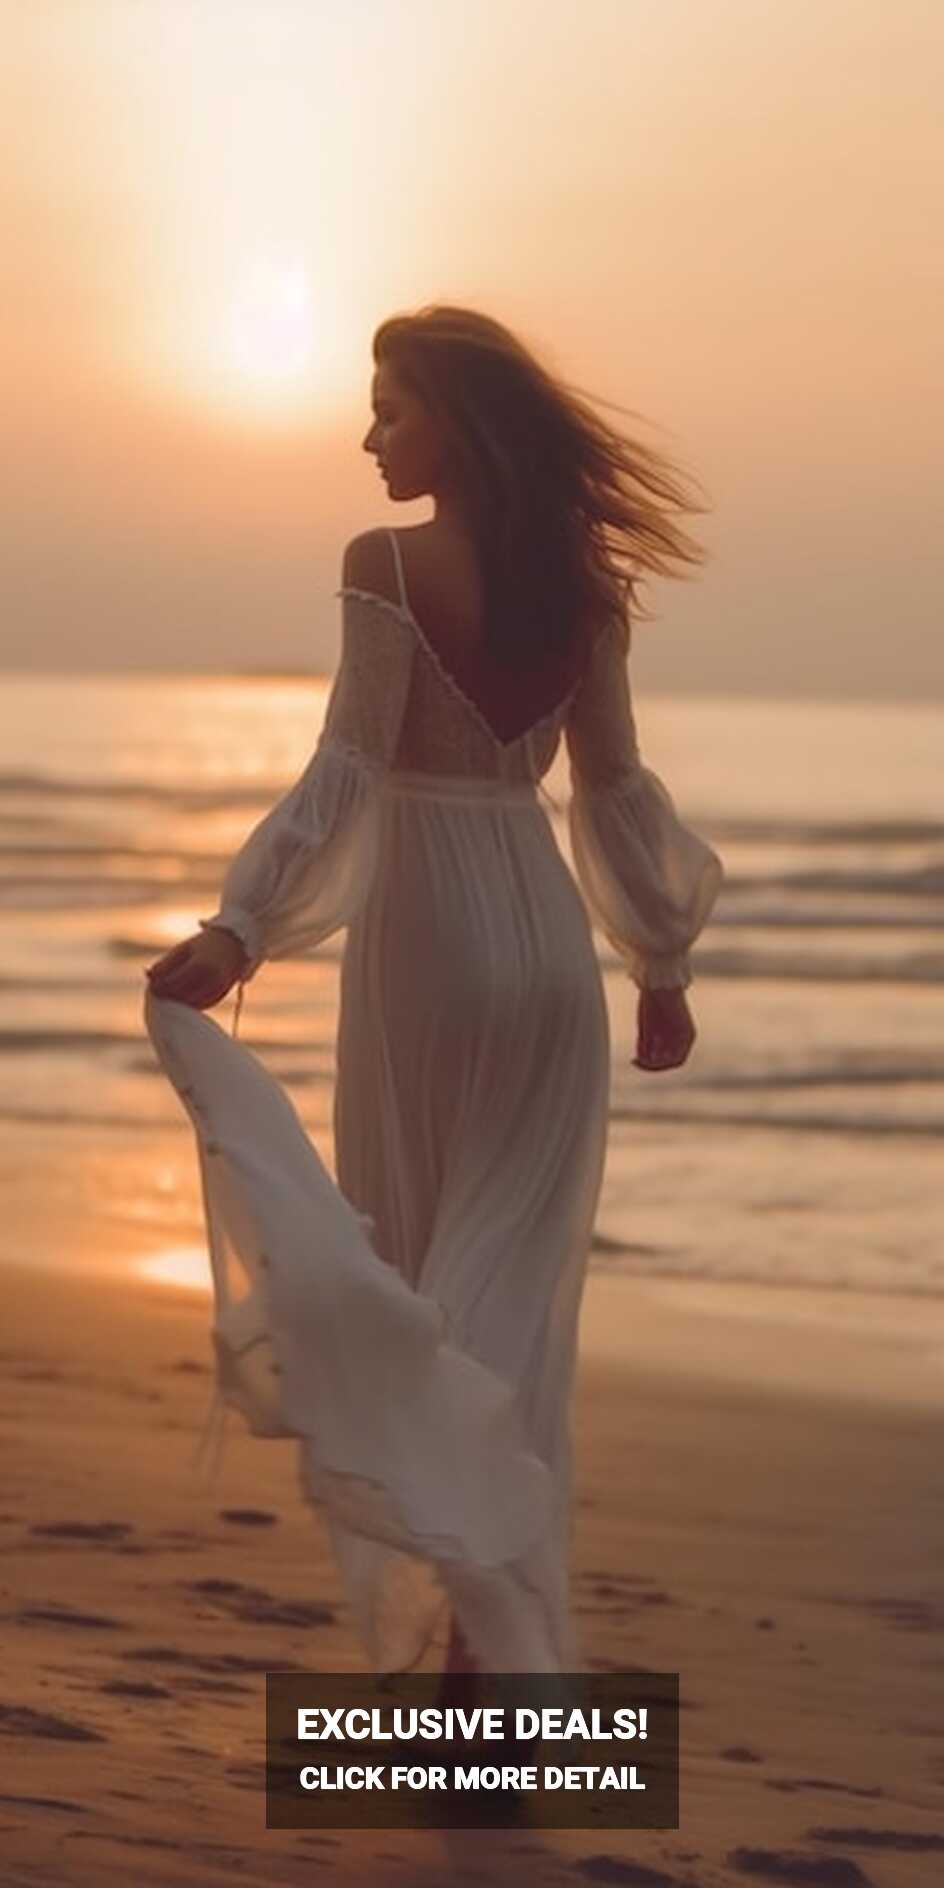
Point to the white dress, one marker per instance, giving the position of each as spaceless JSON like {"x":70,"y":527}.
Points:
{"x":414,"y":1323}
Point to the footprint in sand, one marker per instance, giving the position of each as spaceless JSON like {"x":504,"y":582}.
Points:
{"x":46,"y":1802}
{"x":55,"y":1615}
{"x":249,"y":1517}
{"x":220,"y":1663}
{"x":629,"y":1590}
{"x":213,"y":1687}
{"x":38,"y":1373}
{"x":83,"y":1530}
{"x":798,"y":1871}
{"x":136,"y":1841}
{"x":19,"y":1720}
{"x":128,"y":1688}
{"x":246,"y":1776}
{"x":908,"y":1613}
{"x":255,"y":1607}
{"x":906,"y":1841}
{"x":609,"y":1868}
{"x":618,"y":1579}
{"x":789,"y":1784}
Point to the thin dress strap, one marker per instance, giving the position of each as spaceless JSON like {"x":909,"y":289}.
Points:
{"x":398,"y":559}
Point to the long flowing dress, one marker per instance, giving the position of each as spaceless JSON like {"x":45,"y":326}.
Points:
{"x":413,"y":1322}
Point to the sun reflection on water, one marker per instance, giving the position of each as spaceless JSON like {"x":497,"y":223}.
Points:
{"x":178,"y":1265}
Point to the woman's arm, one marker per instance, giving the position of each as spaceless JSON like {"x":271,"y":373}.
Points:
{"x":305,"y":869}
{"x":650,"y":882}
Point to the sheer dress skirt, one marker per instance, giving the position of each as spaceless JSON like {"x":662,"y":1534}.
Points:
{"x":471,"y":1108}
{"x":413,"y":1322}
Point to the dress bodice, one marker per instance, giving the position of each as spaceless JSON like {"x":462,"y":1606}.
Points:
{"x":396,"y":710}
{"x":442,"y":728}
{"x":442,"y":731}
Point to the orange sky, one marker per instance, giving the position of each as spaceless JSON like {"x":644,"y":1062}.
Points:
{"x":720,"y":214}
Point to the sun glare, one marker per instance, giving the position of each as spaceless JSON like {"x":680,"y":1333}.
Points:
{"x":248,"y":340}
{"x":270,"y":331}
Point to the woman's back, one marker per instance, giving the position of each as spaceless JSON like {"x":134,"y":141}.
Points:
{"x":462,"y":715}
{"x":443,"y":580}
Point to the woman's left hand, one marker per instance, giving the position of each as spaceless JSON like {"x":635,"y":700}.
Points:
{"x":665,"y":1028}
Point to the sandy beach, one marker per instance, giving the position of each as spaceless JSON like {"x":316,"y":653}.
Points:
{"x":759,"y":1509}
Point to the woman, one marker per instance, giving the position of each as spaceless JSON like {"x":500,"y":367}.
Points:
{"x":415,"y":1326}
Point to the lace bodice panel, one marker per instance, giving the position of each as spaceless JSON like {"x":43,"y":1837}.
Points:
{"x":442,"y":731}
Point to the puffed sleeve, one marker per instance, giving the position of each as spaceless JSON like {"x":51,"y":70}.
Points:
{"x":648,"y":880}
{"x":305,"y":870}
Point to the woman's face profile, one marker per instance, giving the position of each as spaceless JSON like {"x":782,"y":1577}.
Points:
{"x":403,"y":437}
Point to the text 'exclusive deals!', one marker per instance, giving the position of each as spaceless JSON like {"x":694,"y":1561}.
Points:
{"x":349,"y":1750}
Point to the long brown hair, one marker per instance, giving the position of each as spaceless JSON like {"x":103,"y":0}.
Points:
{"x":567,"y":512}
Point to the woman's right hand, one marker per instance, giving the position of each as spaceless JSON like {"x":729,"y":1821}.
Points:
{"x":200,"y":970}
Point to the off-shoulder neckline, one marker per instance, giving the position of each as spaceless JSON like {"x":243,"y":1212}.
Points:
{"x":406,"y":615}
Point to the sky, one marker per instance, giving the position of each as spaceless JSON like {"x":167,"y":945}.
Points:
{"x":722,"y":215}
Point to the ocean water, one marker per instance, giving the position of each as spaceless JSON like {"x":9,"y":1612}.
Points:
{"x":800,"y":1143}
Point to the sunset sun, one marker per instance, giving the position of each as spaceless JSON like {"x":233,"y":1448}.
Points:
{"x":270,"y":326}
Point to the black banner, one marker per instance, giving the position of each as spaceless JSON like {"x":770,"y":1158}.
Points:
{"x":348,"y":1750}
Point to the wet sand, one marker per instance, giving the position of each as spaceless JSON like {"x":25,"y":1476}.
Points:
{"x":759,"y":1509}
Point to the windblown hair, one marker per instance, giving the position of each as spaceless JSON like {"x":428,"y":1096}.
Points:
{"x":567,"y":512}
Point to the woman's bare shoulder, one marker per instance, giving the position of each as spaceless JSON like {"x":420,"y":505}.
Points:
{"x":368,"y":564}
{"x":426,"y":550}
